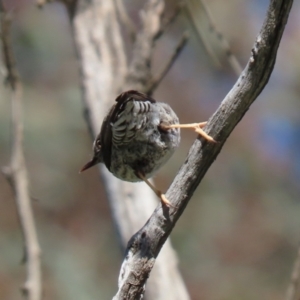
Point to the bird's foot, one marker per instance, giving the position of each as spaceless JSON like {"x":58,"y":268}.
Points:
{"x":195,"y":126}
{"x":163,"y":198}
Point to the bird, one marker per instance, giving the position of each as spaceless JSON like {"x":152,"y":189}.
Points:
{"x":137,"y":137}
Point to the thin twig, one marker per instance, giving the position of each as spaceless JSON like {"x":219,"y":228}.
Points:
{"x":125,"y":19}
{"x":156,"y":80}
{"x":213,"y":40}
{"x":145,"y":245}
{"x":168,"y":21}
{"x":16,"y":173}
{"x":293,"y":291}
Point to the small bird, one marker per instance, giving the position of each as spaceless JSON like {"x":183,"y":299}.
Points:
{"x":137,"y":137}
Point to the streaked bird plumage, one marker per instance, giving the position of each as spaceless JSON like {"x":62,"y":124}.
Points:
{"x":132,"y":140}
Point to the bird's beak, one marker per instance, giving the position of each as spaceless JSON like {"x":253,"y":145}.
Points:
{"x":90,"y":164}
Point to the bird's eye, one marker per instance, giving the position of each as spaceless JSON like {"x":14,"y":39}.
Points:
{"x":97,"y":145}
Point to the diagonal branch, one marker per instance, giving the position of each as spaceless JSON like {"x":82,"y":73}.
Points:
{"x":146,"y":244}
{"x":125,"y":19}
{"x":168,"y":21}
{"x":213,"y":40}
{"x":156,"y":80}
{"x":16,"y":173}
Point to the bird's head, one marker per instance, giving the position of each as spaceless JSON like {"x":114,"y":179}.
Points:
{"x":97,"y":156}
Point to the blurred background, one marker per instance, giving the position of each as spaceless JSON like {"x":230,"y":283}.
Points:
{"x":239,"y":235}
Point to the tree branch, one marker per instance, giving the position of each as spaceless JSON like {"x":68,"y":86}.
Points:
{"x":125,"y":19}
{"x":214,"y":42}
{"x":156,"y":80}
{"x":140,"y":67}
{"x":145,"y":245}
{"x":16,"y":173}
{"x":167,"y":21}
{"x":104,"y":73}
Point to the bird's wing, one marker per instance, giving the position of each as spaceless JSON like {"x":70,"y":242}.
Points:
{"x":124,"y":119}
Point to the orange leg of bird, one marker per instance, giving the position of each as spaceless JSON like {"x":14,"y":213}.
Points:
{"x":159,"y":194}
{"x":195,"y":126}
